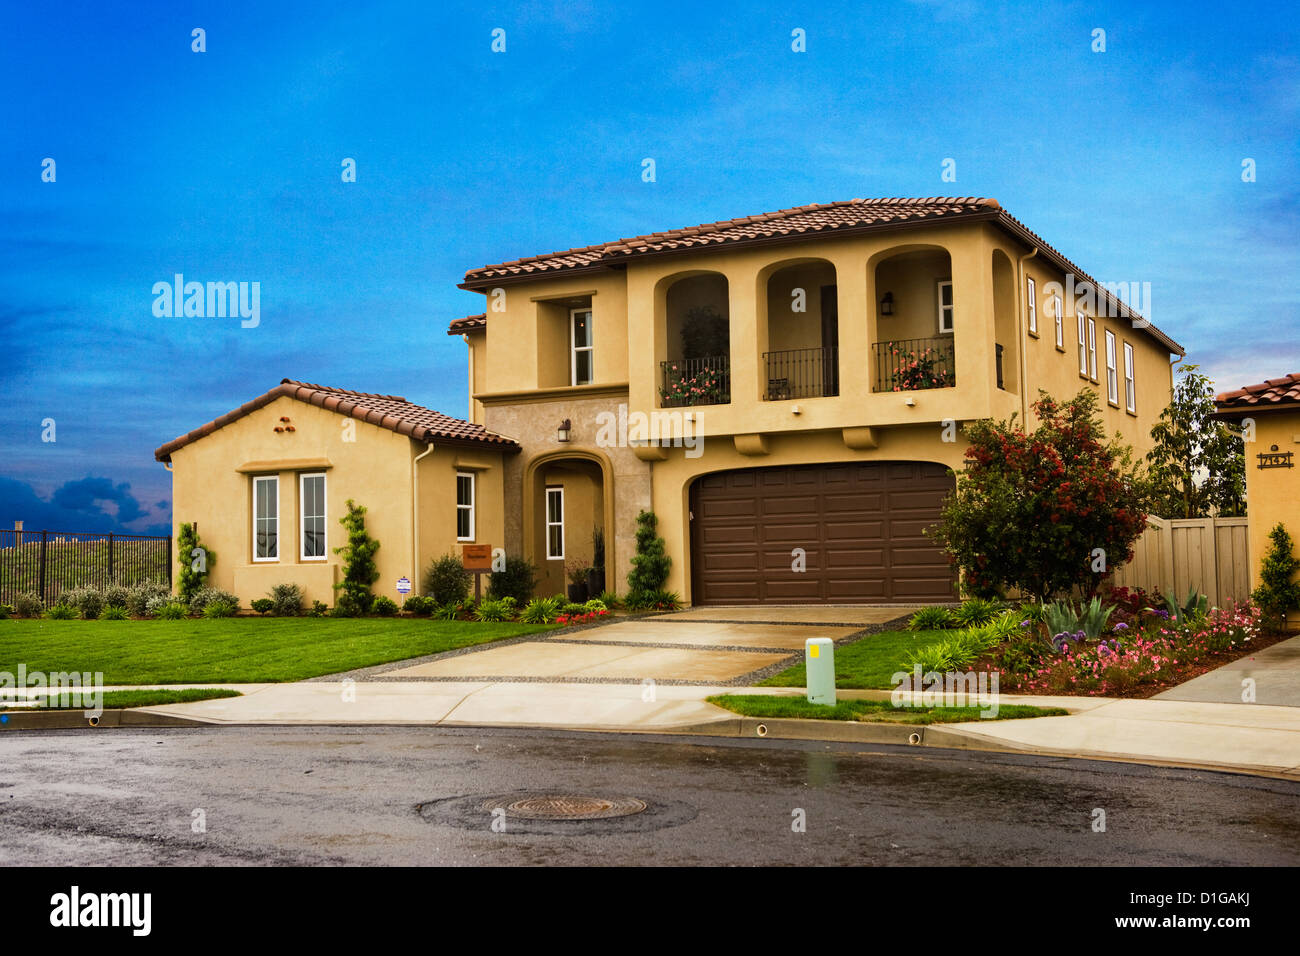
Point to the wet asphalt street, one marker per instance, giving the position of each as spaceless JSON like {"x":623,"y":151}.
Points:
{"x":371,"y":796}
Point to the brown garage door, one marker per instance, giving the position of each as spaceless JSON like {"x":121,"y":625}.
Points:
{"x":860,"y":525}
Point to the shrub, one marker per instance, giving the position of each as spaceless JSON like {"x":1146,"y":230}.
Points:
{"x":113,"y":613}
{"x":447,"y":581}
{"x":193,"y":567}
{"x":346,"y":606}
{"x":1022,"y":655}
{"x":516,"y":580}
{"x":219,"y":608}
{"x":500,"y":609}
{"x":205,"y":596}
{"x":650,"y":565}
{"x":930,"y":619}
{"x":419,"y":605}
{"x":28,"y":604}
{"x":152,"y":605}
{"x":1030,"y":509}
{"x":541,"y":611}
{"x":595,"y":604}
{"x":1278,"y":591}
{"x":262,"y":605}
{"x":115,"y":595}
{"x":6,"y":611}
{"x":139,"y":596}
{"x":286,"y":600}
{"x":975,"y":612}
{"x":318,"y":609}
{"x":88,"y":600}
{"x":451,"y":611}
{"x":610,"y":599}
{"x":383,"y":607}
{"x":171,"y":611}
{"x":61,"y":612}
{"x":1002,"y":628}
{"x":359,"y":569}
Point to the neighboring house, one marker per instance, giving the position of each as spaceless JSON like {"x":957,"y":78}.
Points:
{"x":1272,"y":482}
{"x":267,"y":483}
{"x":824,"y":357}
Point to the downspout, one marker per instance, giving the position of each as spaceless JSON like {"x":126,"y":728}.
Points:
{"x":1023,"y":338}
{"x":415,"y":518}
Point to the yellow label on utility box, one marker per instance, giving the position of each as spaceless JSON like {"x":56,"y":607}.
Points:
{"x":814,"y":651}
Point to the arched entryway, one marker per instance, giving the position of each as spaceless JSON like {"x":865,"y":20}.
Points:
{"x":568,"y":517}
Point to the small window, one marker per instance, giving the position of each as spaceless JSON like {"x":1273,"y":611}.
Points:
{"x":1112,"y":375}
{"x":1130,"y":388}
{"x":1082,"y":321}
{"x":554,"y":524}
{"x":945,"y":306}
{"x":311,"y":507}
{"x":1092,"y":349}
{"x":580,"y":371}
{"x":1032,"y":300}
{"x":266,"y":518}
{"x":1060,"y":322}
{"x":464,"y":506}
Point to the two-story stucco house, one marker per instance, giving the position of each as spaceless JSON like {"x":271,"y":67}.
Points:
{"x":812,"y":369}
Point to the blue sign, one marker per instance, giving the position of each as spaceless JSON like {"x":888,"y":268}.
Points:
{"x":403,"y":585}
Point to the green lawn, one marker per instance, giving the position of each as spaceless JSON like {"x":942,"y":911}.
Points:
{"x":870,"y":711}
{"x":866,"y":664}
{"x":117,"y":699}
{"x":233,"y":650}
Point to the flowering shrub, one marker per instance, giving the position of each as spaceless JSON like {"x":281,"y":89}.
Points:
{"x":583,"y":617}
{"x":911,"y":369}
{"x":706,"y":387}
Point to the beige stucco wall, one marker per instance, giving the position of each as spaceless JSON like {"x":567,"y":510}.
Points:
{"x":1272,"y":494}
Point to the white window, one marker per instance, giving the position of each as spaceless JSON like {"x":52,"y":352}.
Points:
{"x":1060,"y":321}
{"x":1092,"y":349}
{"x":1083,"y":343}
{"x":311,"y":516}
{"x":266,"y":518}
{"x":945,"y":306}
{"x":1033,"y":307}
{"x":1112,"y":375}
{"x":1130,"y":389}
{"x":580,"y":347}
{"x":554,"y":524}
{"x":464,"y":506}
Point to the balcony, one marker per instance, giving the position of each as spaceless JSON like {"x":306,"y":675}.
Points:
{"x":697,"y":381}
{"x":801,"y":373}
{"x":905,"y":365}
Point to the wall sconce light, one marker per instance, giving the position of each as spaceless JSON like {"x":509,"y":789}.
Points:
{"x":562,"y":432}
{"x":887,"y":304}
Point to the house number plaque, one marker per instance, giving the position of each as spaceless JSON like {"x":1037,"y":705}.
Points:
{"x":1275,"y":459}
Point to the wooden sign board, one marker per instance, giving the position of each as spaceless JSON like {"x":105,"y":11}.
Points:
{"x":476,"y":557}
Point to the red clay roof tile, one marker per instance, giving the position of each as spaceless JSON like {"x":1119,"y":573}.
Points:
{"x":467,"y":324}
{"x":1272,"y":393}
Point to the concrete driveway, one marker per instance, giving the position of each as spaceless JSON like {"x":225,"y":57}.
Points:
{"x":1275,"y":671}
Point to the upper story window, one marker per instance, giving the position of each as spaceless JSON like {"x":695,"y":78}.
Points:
{"x":1083,"y":342}
{"x":266,"y":518}
{"x":945,"y":306}
{"x":1092,"y":349}
{"x":464,"y":506}
{"x":555,"y":524}
{"x":1112,"y":375}
{"x":580,"y":347}
{"x":1130,"y":387}
{"x":1060,"y":322}
{"x":1031,"y":299}
{"x":311,"y":509}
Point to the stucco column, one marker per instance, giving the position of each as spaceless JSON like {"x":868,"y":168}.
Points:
{"x":973,"y":333}
{"x":854,"y":285}
{"x":746,"y":356}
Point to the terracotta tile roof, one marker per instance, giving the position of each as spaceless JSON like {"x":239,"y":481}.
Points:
{"x":1273,"y":393}
{"x":801,"y":222}
{"x":387,"y":411}
{"x":467,"y":324}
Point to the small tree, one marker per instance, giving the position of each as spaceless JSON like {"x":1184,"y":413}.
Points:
{"x":650,"y":564}
{"x":1278,"y":591}
{"x":359,"y":570}
{"x":1045,"y":512}
{"x":194,"y":567}
{"x":1197,"y":466}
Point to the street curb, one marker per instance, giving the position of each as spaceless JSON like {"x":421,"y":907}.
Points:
{"x":77,"y":720}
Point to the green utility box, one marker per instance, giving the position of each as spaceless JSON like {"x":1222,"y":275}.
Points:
{"x":819,"y":661}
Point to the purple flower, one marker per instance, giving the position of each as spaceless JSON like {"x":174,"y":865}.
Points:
{"x":1121,"y":626}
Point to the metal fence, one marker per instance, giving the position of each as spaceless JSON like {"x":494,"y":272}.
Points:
{"x":802,"y":373}
{"x":697,"y":381}
{"x":904,"y":365}
{"x":51,"y":562}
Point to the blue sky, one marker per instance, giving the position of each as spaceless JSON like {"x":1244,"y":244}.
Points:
{"x":225,"y":165}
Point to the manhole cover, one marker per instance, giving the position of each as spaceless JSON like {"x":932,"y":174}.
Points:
{"x":546,"y":811}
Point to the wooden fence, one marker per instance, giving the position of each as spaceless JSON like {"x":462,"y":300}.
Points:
{"x":1209,"y":554}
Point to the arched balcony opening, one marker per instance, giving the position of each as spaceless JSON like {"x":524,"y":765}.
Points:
{"x":915,"y":320}
{"x":696,"y":316}
{"x":801,"y":357}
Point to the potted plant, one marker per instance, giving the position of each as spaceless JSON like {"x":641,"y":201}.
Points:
{"x":577,"y":571}
{"x":596,"y":573}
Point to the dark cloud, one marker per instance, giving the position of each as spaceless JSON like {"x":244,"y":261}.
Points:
{"x":77,"y":506}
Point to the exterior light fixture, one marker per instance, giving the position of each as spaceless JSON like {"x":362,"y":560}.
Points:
{"x":562,"y":432}
{"x":887,"y":304}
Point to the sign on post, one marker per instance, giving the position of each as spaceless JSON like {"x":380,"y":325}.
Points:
{"x":403,"y":585}
{"x":477,"y":559}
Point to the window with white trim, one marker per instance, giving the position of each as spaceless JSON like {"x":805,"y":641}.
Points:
{"x":1092,"y":349}
{"x":1112,"y":374}
{"x":554,"y":524}
{"x":266,"y":518}
{"x":465,"y":506}
{"x":1130,"y":387}
{"x":580,"y":347}
{"x":1031,"y":297}
{"x":1060,"y":321}
{"x":1083,"y":343}
{"x":311,"y":516}
{"x":945,"y":306}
